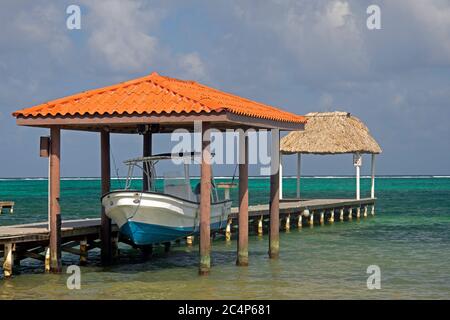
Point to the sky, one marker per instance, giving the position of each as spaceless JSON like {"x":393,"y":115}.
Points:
{"x":301,"y":56}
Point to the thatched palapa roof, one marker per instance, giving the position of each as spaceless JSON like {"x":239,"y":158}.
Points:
{"x":330,"y":133}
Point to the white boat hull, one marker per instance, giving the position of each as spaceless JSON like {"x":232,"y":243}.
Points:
{"x":148,"y":218}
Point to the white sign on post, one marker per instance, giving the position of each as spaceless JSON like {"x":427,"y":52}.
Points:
{"x":357,"y":160}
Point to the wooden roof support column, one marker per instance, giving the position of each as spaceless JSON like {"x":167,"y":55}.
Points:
{"x":242,"y":248}
{"x":299,"y":171}
{"x":146,"y":152}
{"x":357,"y":161}
{"x":372,"y":171}
{"x":55,"y":211}
{"x":274,"y":205}
{"x":106,"y":238}
{"x":205,"y":203}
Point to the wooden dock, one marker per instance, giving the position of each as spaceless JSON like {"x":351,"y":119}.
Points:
{"x":19,"y":242}
{"x":7,"y":205}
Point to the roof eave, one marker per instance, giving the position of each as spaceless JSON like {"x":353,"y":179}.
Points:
{"x":223,"y":119}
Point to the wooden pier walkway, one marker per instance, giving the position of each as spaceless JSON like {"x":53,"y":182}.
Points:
{"x":7,"y":205}
{"x":23,"y":241}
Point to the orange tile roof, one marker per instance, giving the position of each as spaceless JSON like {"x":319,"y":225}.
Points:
{"x":156,"y":94}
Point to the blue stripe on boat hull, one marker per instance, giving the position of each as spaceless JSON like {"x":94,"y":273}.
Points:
{"x":143,"y":233}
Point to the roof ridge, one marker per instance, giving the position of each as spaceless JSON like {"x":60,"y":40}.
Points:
{"x":173,"y":91}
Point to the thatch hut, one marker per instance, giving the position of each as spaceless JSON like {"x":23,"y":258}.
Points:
{"x":332,"y":133}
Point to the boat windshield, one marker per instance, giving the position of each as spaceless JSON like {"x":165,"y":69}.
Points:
{"x":175,"y":180}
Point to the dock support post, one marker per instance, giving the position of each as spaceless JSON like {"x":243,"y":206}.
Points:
{"x":311,"y":219}
{"x":8,"y":259}
{"x":373,"y":209}
{"x":83,"y":252}
{"x":47,"y":260}
{"x":146,"y":152}
{"x":242,"y":247}
{"x":280,"y":176}
{"x":287,"y":225}
{"x":105,"y":229}
{"x":341,"y":214}
{"x":189,"y":240}
{"x":358,"y":212}
{"x":331,"y":220}
{"x":228,"y":230}
{"x":274,"y":205}
{"x":260,"y":226}
{"x":322,"y":217}
{"x":55,"y":211}
{"x":365,"y":211}
{"x":350,"y":213}
{"x":299,"y":221}
{"x":205,"y":203}
{"x":147,"y":251}
{"x":299,"y":166}
{"x":115,"y":246}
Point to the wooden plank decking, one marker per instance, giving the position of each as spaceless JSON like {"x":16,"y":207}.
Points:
{"x":8,"y":205}
{"x":296,"y":206}
{"x":38,"y":231}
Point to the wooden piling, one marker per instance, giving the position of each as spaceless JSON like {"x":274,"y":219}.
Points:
{"x":242,"y":246}
{"x":322,"y":217}
{"x":287,"y":225}
{"x":341,"y":214}
{"x":83,"y":252}
{"x":299,"y":221}
{"x":260,"y":226}
{"x":274,"y":205}
{"x":365,"y":212}
{"x":311,"y":219}
{"x":373,"y":210}
{"x":8,"y":259}
{"x":115,"y":247}
{"x":228,"y":230}
{"x":55,"y":211}
{"x":47,"y":260}
{"x":146,"y":152}
{"x":189,"y":240}
{"x":147,"y":251}
{"x":106,"y":240}
{"x":205,"y":203}
{"x":350,"y":213}
{"x":358,"y":212}
{"x":331,"y":219}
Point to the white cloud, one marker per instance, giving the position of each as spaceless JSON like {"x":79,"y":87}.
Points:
{"x":119,"y":34}
{"x":434,"y":18}
{"x":122,"y":35}
{"x":192,"y":66}
{"x":41,"y":27}
{"x":318,"y":34}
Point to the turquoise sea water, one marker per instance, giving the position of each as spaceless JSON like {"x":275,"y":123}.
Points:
{"x":409,"y":239}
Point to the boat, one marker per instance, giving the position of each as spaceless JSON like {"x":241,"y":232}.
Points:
{"x":168,"y":209}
